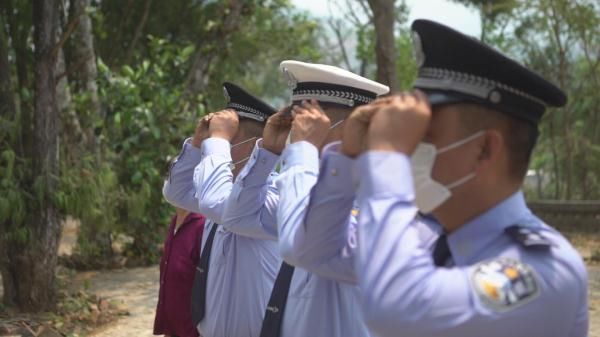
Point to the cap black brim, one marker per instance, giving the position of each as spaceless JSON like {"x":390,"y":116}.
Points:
{"x":438,"y":97}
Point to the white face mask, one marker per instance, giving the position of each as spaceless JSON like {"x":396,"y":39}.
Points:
{"x":430,"y":194}
{"x":233,"y":165}
{"x":288,"y":140}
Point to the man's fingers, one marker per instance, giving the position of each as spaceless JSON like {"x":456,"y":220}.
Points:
{"x":409,"y":99}
{"x":365,"y":112}
{"x":421,"y":96}
{"x":279,"y":119}
{"x":384,"y":100}
{"x":285,"y":121}
{"x":231,"y":112}
{"x":313,"y":106}
{"x":208,"y":117}
{"x":227,"y":114}
{"x":307,"y":107}
{"x":310,"y":108}
{"x":317,"y":107}
{"x":299,"y":110}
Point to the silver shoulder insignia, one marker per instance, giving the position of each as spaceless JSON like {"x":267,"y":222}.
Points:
{"x":419,"y":54}
{"x":226,"y":94}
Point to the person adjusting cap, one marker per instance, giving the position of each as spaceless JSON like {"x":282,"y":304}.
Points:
{"x":329,"y":84}
{"x":455,"y":68}
{"x":245,"y":104}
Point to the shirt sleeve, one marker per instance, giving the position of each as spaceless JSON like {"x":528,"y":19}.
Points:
{"x":316,"y":229}
{"x":213,"y":178}
{"x":251,"y":207}
{"x":178,"y":189}
{"x":401,"y":288}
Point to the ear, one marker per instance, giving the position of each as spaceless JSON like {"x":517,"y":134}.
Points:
{"x":491,"y":150}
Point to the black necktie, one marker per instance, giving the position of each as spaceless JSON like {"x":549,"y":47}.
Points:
{"x":441,"y":251}
{"x":200,"y":279}
{"x":271,"y":326}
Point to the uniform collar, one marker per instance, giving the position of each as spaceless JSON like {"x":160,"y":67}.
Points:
{"x":468,"y":241}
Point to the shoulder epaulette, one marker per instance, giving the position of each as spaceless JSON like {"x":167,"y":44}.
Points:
{"x":528,"y":237}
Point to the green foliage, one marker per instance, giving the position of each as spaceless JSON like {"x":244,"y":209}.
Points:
{"x":91,"y":193}
{"x":143,"y":129}
{"x":365,"y":49}
{"x":15,"y":200}
{"x":406,"y":64}
{"x":146,"y":116}
{"x":559,"y":39}
{"x":252,"y":55}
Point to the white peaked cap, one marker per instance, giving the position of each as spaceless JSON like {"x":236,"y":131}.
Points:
{"x":331,"y":84}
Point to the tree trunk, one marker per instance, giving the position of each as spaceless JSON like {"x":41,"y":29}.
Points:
{"x":85,"y":55}
{"x":71,"y":131}
{"x":385,"y":43}
{"x":32,"y":265}
{"x":567,"y":112}
{"x":7,"y":110}
{"x":7,"y":99}
{"x":18,"y":31}
{"x":199,"y":72}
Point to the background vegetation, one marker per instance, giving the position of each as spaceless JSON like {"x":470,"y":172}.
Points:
{"x":97,"y":96}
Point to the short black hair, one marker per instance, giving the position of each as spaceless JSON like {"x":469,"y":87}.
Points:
{"x":251,"y":127}
{"x":520,"y":135}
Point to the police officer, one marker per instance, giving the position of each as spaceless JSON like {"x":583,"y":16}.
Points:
{"x":459,"y":148}
{"x":321,"y":301}
{"x":236,"y":272}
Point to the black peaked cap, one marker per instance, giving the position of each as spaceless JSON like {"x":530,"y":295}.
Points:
{"x":454,"y":67}
{"x":245,"y":104}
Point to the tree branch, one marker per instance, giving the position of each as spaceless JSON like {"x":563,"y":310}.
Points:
{"x":138,"y":31}
{"x":67,"y":33}
{"x":337,"y":30}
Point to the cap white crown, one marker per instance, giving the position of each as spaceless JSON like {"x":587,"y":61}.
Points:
{"x":298,"y":72}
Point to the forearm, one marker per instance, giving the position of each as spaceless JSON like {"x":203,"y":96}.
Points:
{"x":299,"y":172}
{"x":250,"y":208}
{"x":178,"y":188}
{"x":328,"y":242}
{"x":213,"y":179}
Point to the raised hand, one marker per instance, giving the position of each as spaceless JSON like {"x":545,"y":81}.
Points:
{"x":224,"y":124}
{"x":310,"y":123}
{"x":201,"y":132}
{"x":400,"y":123}
{"x":276,"y":131}
{"x":355,"y":130}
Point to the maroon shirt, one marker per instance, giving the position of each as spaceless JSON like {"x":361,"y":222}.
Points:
{"x":177,"y":269}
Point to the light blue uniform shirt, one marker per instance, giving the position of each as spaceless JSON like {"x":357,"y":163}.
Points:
{"x":321,"y":303}
{"x":317,"y":230}
{"x":495,"y":286}
{"x":242,"y":269}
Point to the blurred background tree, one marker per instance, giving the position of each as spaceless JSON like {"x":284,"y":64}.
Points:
{"x":96,"y":98}
{"x":560,"y":39}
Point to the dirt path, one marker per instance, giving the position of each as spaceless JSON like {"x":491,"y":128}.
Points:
{"x":136,"y":288}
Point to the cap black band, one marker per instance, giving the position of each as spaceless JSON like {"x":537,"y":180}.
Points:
{"x":332,"y":93}
{"x":248,"y":112}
